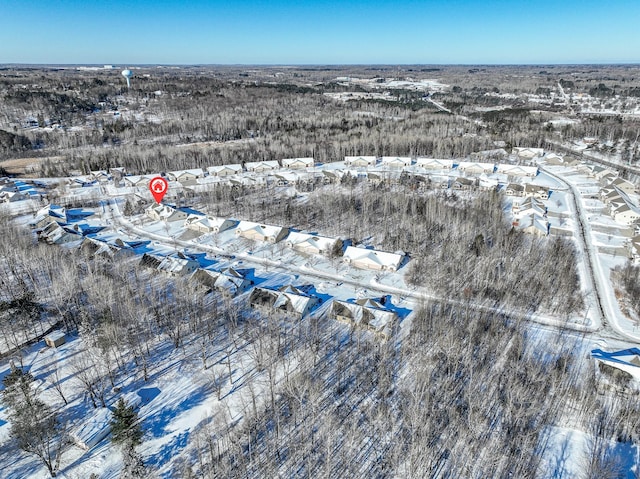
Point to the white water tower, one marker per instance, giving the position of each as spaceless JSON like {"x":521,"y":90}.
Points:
{"x":127,"y":74}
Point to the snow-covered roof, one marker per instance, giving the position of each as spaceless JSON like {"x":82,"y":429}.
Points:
{"x":262,"y":165}
{"x":214,"y":170}
{"x":373,"y":257}
{"x":267,"y":231}
{"x":434,"y":163}
{"x":176,"y":175}
{"x":396,"y":160}
{"x":465,"y":165}
{"x":309,"y":241}
{"x":517,"y":170}
{"x":289,"y":162}
{"x":177,"y":265}
{"x":371,"y":160}
{"x":627,"y":360}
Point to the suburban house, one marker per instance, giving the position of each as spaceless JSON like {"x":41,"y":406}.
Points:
{"x":94,"y":248}
{"x":514,"y":189}
{"x":100,"y":175}
{"x":178,"y":265}
{"x":224,"y":170}
{"x":312,"y":244}
{"x":434,"y":164}
{"x":487,"y":184}
{"x":186,"y":176}
{"x":536,"y":191}
{"x":554,"y":160}
{"x":533,"y":224}
{"x":395,"y":161}
{"x":530,"y":205}
{"x":372,"y":259}
{"x":375,"y":177}
{"x":367,"y":314}
{"x":517,"y":170}
{"x":169,"y":213}
{"x":138,"y":181}
{"x":55,"y":233}
{"x":485,"y":155}
{"x":258,"y":232}
{"x":625,"y":215}
{"x":240,"y":182}
{"x":208,"y":224}
{"x":231,"y":282}
{"x":262,"y":166}
{"x":360,"y":161}
{"x":332,"y":176}
{"x":525,"y":153}
{"x":627,"y":360}
{"x":462,"y":183}
{"x":151,"y":260}
{"x":12,"y":196}
{"x":472,"y":168}
{"x":297,"y":163}
{"x":287,"y":299}
{"x":624,"y":185}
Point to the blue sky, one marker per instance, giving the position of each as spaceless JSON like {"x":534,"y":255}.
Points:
{"x":319,"y":31}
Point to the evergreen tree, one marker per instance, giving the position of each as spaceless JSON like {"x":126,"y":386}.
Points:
{"x":125,"y":426}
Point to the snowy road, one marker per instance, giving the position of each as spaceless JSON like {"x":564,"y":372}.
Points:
{"x":607,"y":307}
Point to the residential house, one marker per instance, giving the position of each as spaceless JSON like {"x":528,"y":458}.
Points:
{"x":297,"y":163}
{"x":525,"y":153}
{"x":231,"y":282}
{"x":224,"y":170}
{"x":554,"y":159}
{"x":138,"y":181}
{"x":624,"y":186}
{"x":312,"y":244}
{"x":100,"y":176}
{"x":262,"y":166}
{"x":536,"y":191}
{"x":287,"y":300}
{"x":186,"y":176}
{"x":178,"y":265}
{"x":169,"y":213}
{"x":209,"y":224}
{"x":360,"y":161}
{"x":462,"y":183}
{"x":627,"y":360}
{"x":494,"y":154}
{"x":514,"y":189}
{"x":151,"y":260}
{"x":367,"y":314}
{"x":332,"y":176}
{"x":372,"y":259}
{"x":397,"y":162}
{"x":434,"y":164}
{"x":12,"y":197}
{"x":534,"y":224}
{"x":472,"y":168}
{"x":258,"y":232}
{"x":517,"y":170}
{"x":625,"y":214}
{"x":529,"y":206}
{"x":487,"y":184}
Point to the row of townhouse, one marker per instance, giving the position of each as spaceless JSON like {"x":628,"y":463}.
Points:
{"x":201,"y":223}
{"x":289,"y":300}
{"x":616,"y":196}
{"x":467,"y":167}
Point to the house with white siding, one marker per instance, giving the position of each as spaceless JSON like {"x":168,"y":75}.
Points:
{"x":259,"y":232}
{"x":372,"y":259}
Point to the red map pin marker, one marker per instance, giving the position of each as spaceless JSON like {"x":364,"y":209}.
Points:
{"x":158,"y":187}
